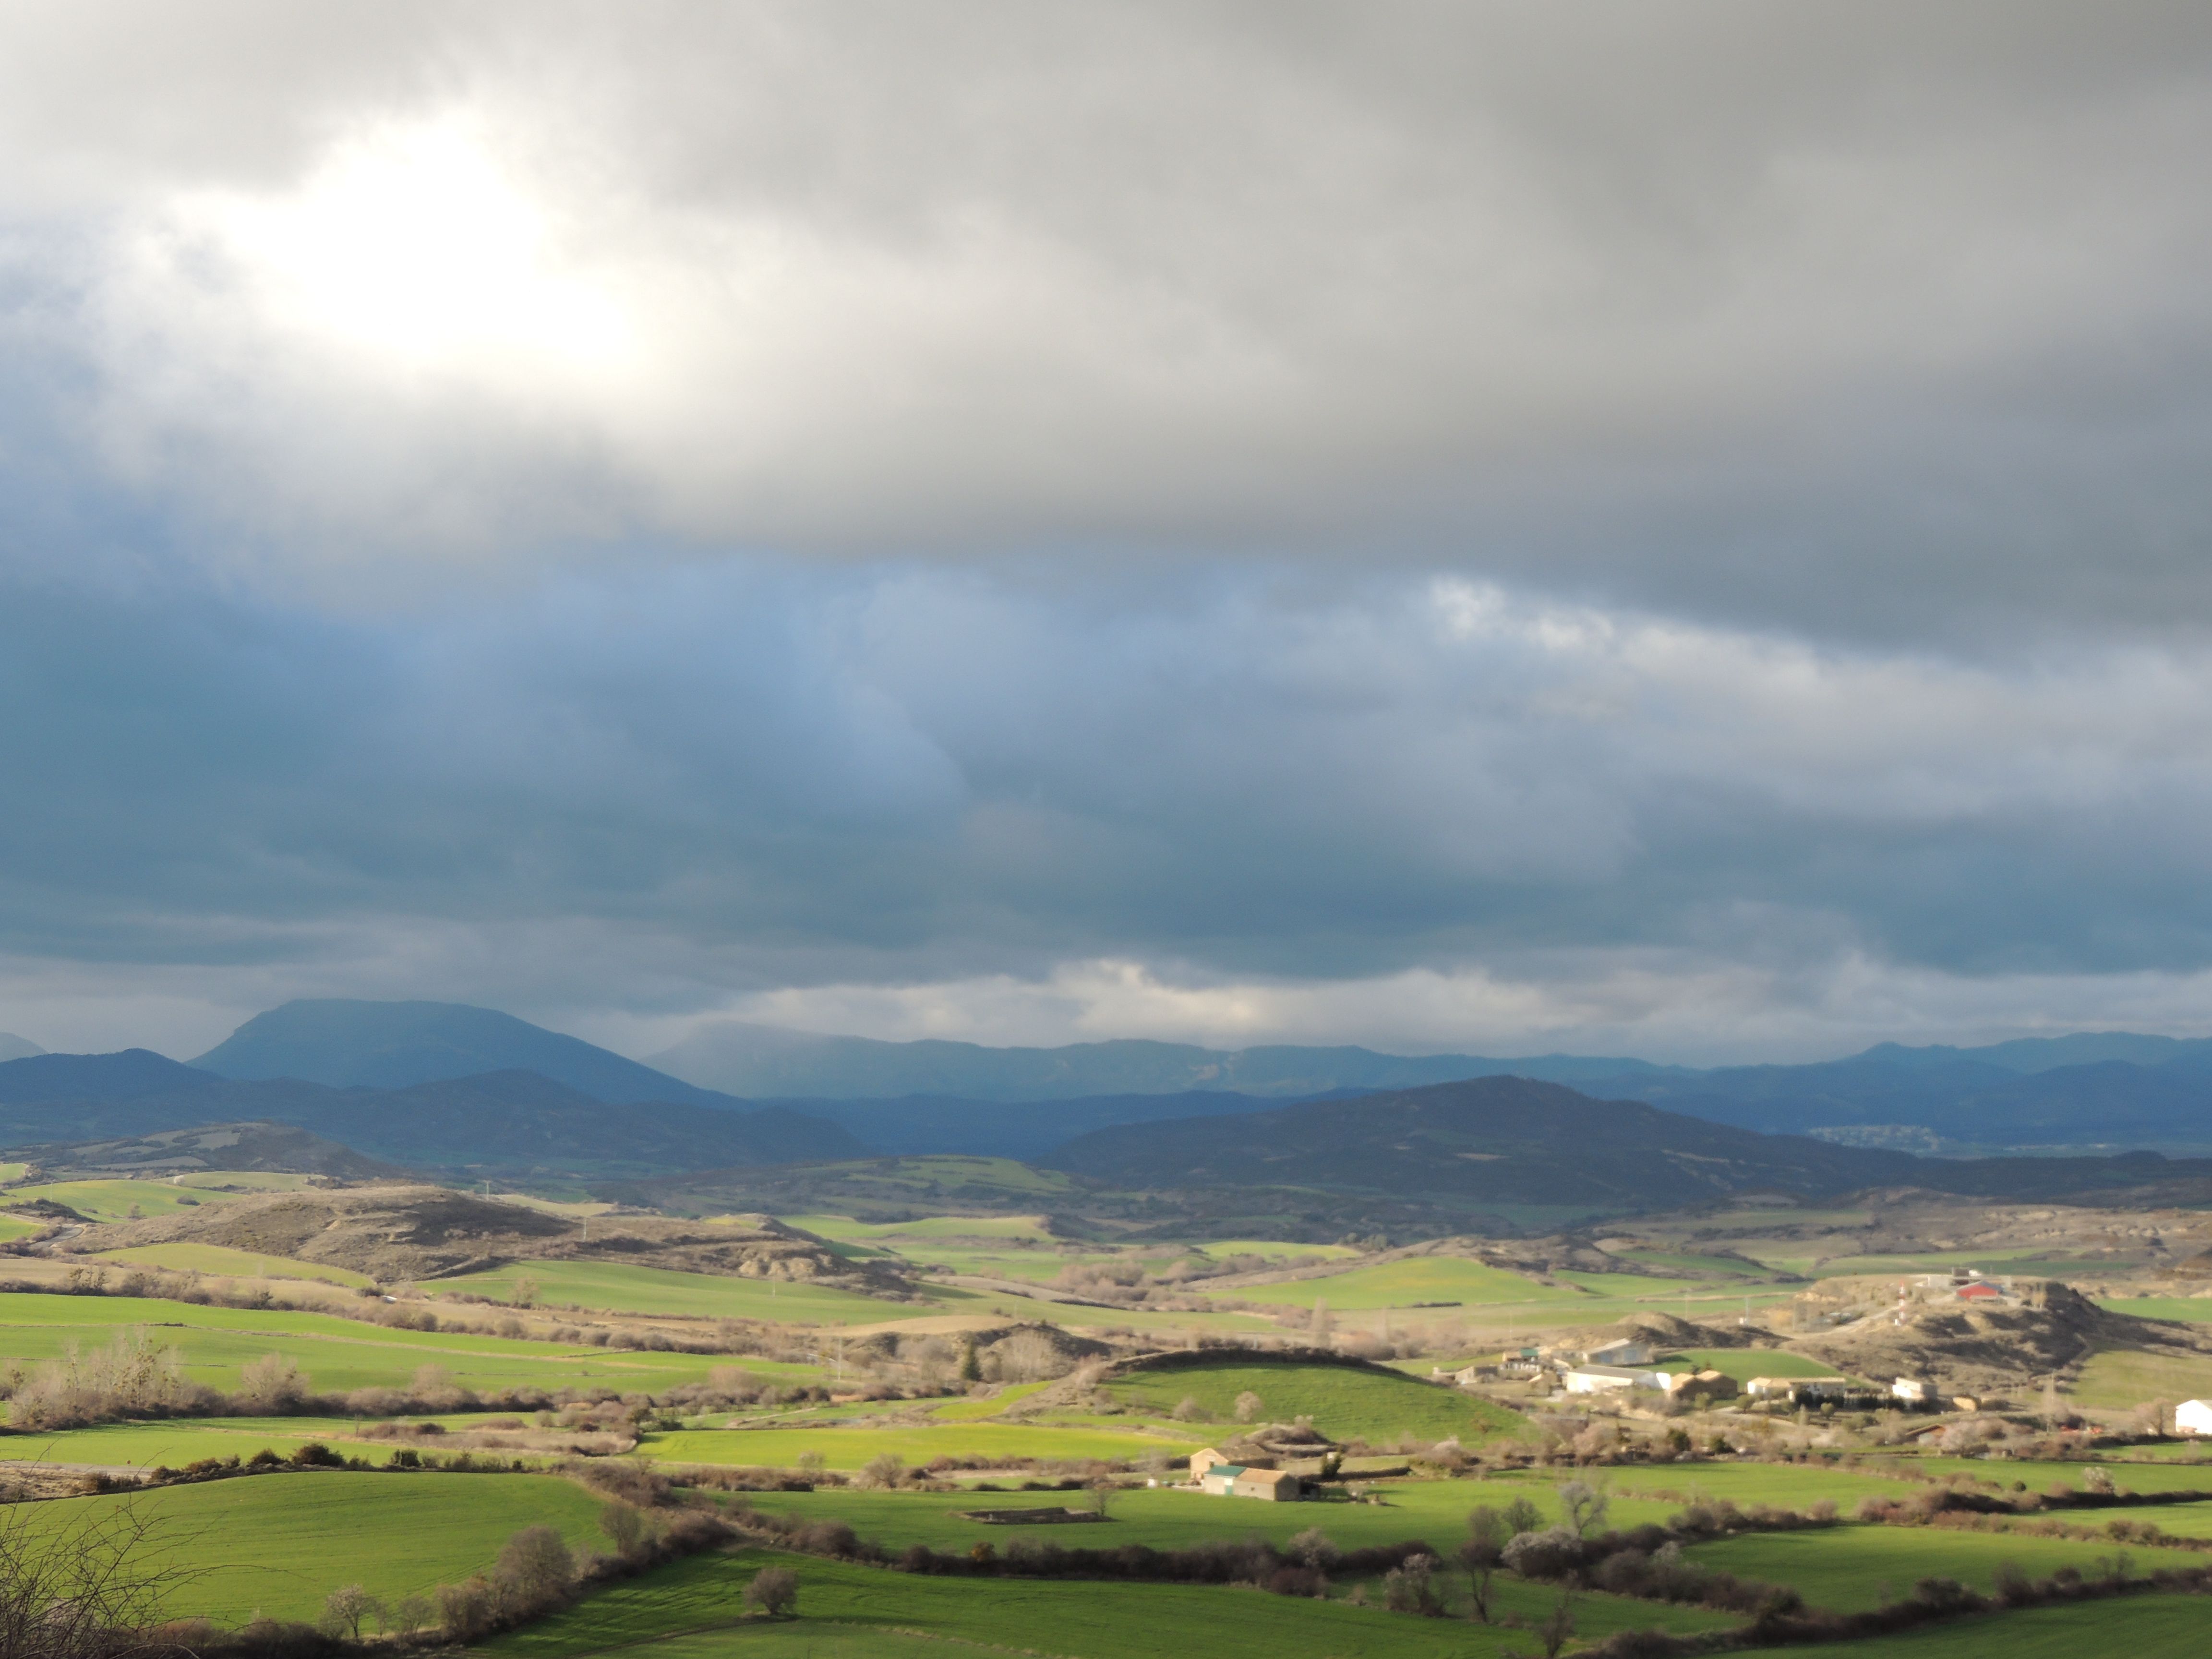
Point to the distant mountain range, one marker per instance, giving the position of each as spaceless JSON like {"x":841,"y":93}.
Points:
{"x":2108,"y":1090}
{"x":764,"y":1062}
{"x":1497,"y":1140}
{"x":1510,"y":1141}
{"x":508,"y":1123}
{"x":14,"y":1048}
{"x":2102,"y":1088}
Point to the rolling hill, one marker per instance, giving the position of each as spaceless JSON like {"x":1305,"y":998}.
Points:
{"x":764,"y":1061}
{"x":1496,"y":1140}
{"x":394,"y":1045}
{"x":500,"y":1122}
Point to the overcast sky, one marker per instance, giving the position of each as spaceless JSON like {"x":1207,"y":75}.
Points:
{"x":1678,"y":530}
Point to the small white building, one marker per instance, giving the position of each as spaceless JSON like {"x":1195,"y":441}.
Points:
{"x":2193,"y":1417}
{"x":1912,"y":1390}
{"x":1624,"y":1353}
{"x":1608,"y":1379}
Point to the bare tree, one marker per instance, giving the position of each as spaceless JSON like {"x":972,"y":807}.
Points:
{"x":93,"y":1589}
{"x":1556,"y":1630}
{"x":1487,"y":1534}
{"x":1248,"y":1406}
{"x":345,"y":1609}
{"x":1583,"y":1506}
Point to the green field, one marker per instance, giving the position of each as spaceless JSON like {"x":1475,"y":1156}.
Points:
{"x":2191,"y":1309}
{"x":2119,"y":1381}
{"x":338,"y":1354}
{"x":843,"y":1447}
{"x":2176,"y":1476}
{"x":1400,"y":1283}
{"x":113,"y":1200}
{"x":1744,"y":1363}
{"x":618,"y":1288}
{"x":281,"y":1543}
{"x":1164,"y":1518}
{"x":1346,"y":1402}
{"x":14,"y":1226}
{"x":970,"y":1410}
{"x":1783,"y":1485}
{"x":2140,"y":1626}
{"x":845,"y":1229}
{"x":1851,"y":1568}
{"x":864,"y":1607}
{"x":181,"y":1441}
{"x":220,"y":1258}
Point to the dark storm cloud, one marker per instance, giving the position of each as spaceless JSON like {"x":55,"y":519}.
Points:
{"x":1728,"y":308}
{"x":1672,"y":509}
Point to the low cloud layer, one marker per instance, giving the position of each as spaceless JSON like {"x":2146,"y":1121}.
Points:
{"x":1433,"y":525}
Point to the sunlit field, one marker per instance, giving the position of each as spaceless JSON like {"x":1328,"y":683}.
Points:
{"x":280,"y":1543}
{"x":621,"y":1288}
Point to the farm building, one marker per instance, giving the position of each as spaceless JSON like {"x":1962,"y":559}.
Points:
{"x":1699,"y":1384}
{"x":1913,"y":1390}
{"x":1200,"y":1461}
{"x":1233,"y":1480}
{"x":1606,"y":1379}
{"x":2193,"y":1417}
{"x":1623,"y":1352}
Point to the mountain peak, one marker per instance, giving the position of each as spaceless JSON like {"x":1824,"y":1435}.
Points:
{"x":345,"y":1043}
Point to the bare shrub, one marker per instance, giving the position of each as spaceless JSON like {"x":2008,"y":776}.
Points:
{"x":535,"y":1570}
{"x":85,"y":1589}
{"x":1411,"y":1586}
{"x":773,"y":1592}
{"x":132,"y":1376}
{"x":1248,"y":1406}
{"x":885,"y":1469}
{"x":271,"y":1383}
{"x":434,"y":1389}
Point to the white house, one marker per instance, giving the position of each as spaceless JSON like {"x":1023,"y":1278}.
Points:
{"x":1913,"y":1390}
{"x":1605,"y":1379}
{"x":2193,"y":1417}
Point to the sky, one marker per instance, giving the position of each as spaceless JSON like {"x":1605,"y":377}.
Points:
{"x":1678,"y":531}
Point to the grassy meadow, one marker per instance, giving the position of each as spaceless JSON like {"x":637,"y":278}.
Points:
{"x":2117,"y":1381}
{"x":221,"y":1260}
{"x":280,"y":1543}
{"x":119,"y":1201}
{"x":694,"y":1607}
{"x":1849,"y":1569}
{"x":339,"y":1355}
{"x":852,"y":1446}
{"x":618,"y":1287}
{"x":2140,"y":1626}
{"x":1344,"y":1403}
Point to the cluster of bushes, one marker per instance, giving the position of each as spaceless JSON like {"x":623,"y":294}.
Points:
{"x":1934,"y":1503}
{"x":1302,"y":1567}
{"x":732,"y":1388}
{"x":137,"y":1376}
{"x":370,"y":1307}
{"x":1932,"y":1600}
